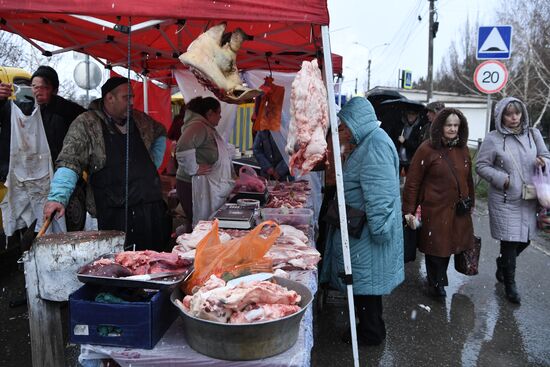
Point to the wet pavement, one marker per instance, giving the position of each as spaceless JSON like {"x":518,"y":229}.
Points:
{"x":473,"y":326}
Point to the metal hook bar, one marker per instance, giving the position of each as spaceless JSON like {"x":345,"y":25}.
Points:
{"x":267,"y":54}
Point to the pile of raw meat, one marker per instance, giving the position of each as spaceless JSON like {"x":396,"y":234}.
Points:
{"x":129,"y":263}
{"x":308,"y":119}
{"x":290,"y":251}
{"x":289,"y":195}
{"x":186,"y":243}
{"x":240,"y":304}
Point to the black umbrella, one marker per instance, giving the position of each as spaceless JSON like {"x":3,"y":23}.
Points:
{"x":403,"y":104}
{"x":377,"y":96}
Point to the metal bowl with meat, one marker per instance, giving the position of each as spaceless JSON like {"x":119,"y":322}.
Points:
{"x":245,"y":341}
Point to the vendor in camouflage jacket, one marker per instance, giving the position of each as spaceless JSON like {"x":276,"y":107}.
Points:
{"x":97,"y":143}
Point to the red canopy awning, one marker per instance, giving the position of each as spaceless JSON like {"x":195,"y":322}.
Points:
{"x":284,"y":32}
{"x":289,"y":11}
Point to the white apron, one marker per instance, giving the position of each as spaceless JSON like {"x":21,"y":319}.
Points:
{"x":29,"y":174}
{"x":209,"y":191}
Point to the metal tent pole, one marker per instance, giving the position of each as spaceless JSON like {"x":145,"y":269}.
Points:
{"x":340,"y":189}
{"x":146,"y":94}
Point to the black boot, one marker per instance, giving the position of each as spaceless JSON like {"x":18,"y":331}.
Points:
{"x":510,"y":285}
{"x":500,"y":270}
{"x":371,"y":329}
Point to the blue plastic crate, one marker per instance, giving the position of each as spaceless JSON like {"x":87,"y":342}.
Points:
{"x":134,"y":324}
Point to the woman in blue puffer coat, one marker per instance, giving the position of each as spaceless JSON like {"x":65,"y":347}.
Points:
{"x":371,"y":184}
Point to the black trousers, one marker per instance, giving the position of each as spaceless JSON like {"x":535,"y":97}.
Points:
{"x":436,"y":268}
{"x":329,"y":193}
{"x":185,"y":196}
{"x":371,"y":327}
{"x":509,"y":251}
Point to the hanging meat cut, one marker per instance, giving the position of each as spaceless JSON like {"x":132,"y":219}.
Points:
{"x":212,"y":58}
{"x":308,"y":119}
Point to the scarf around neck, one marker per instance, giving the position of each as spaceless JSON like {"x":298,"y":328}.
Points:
{"x":450,"y":143}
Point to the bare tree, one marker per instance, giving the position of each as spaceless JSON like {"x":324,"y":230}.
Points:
{"x":12,"y":51}
{"x":530,"y":62}
{"x":529,"y":65}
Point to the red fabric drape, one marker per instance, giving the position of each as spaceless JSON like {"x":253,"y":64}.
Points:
{"x":159,"y":108}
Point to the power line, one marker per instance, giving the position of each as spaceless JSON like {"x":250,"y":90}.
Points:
{"x":409,"y":33}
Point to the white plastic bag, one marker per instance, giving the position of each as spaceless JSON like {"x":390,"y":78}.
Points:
{"x":249,"y":181}
{"x":541,"y":180}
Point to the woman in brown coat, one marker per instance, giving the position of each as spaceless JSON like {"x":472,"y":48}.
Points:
{"x":445,"y":194}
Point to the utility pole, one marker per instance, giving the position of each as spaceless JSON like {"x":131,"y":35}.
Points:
{"x":368,"y":76}
{"x":355,"y":85}
{"x":430,"y":51}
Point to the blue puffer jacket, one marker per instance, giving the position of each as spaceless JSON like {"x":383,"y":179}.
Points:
{"x":371,"y":183}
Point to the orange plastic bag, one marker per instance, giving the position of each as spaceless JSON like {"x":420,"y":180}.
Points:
{"x":234,"y":258}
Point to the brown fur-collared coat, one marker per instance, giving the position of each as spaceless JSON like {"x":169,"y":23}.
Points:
{"x":431,"y":184}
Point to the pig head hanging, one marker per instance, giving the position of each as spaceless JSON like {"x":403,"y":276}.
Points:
{"x":212,"y":58}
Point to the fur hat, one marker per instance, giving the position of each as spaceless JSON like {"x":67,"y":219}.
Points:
{"x":112,"y":83}
{"x":48,"y":73}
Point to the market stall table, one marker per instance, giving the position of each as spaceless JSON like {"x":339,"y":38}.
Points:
{"x":173,"y":350}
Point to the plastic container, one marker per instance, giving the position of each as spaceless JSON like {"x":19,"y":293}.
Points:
{"x":293,"y":217}
{"x":131,"y":324}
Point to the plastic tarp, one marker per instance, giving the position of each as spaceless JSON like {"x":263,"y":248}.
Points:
{"x":190,"y":88}
{"x":255,"y":78}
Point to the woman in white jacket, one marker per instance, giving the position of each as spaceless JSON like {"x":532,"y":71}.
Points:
{"x":507,"y":160}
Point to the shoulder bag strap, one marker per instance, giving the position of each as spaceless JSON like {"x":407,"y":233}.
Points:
{"x":516,"y":166}
{"x":453,"y":172}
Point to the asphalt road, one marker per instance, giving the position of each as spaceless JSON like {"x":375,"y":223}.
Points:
{"x":473,"y":326}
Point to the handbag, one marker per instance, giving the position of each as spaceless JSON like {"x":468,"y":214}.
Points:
{"x":356,"y":218}
{"x":464,"y":205}
{"x":410,"y":240}
{"x":467,"y":262}
{"x":528,"y":191}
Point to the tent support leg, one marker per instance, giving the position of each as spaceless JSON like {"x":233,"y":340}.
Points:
{"x":339,"y":186}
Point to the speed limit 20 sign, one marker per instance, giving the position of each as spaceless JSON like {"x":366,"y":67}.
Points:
{"x":490,"y":76}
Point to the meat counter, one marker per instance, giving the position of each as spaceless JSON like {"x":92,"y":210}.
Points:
{"x":173,"y":350}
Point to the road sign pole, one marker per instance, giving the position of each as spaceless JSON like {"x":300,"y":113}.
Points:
{"x":489,"y":111}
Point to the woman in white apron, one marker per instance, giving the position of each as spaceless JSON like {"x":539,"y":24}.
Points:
{"x":205,"y":172}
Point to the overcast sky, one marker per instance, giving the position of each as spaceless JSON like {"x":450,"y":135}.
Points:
{"x":373,"y":23}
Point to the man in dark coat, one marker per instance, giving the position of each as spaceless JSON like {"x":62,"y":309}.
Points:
{"x":97,"y":143}
{"x":432,"y":109}
{"x":410,"y":138}
{"x":57,"y":114}
{"x":268,"y":156}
